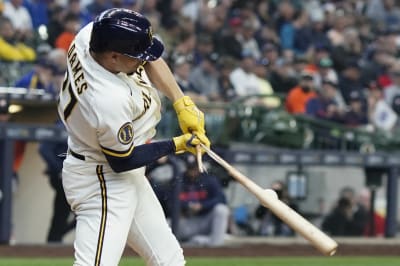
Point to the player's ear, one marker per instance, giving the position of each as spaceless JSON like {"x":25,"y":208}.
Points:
{"x":114,"y":57}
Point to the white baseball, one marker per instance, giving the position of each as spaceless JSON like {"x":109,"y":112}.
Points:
{"x":271,"y":193}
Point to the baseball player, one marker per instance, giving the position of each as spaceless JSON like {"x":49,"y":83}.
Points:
{"x":110,"y":110}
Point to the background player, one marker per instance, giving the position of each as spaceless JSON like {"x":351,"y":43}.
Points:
{"x":110,"y":111}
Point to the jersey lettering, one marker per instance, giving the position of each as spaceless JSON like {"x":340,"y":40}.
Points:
{"x":146,"y":105}
{"x":78,"y":79}
{"x":139,"y":77}
{"x":146,"y":101}
{"x":76,"y":66}
{"x":71,"y":104}
{"x":72,"y":99}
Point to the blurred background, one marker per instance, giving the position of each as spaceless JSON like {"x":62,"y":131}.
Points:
{"x":301,"y":96}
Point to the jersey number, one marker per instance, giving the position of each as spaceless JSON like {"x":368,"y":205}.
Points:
{"x":72,"y":102}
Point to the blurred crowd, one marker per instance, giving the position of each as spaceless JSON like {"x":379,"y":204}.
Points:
{"x":330,"y":59}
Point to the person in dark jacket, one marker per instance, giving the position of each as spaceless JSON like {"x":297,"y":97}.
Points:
{"x":338,"y":222}
{"x":357,"y":113}
{"x":204,"y":218}
{"x":348,"y":218}
{"x":350,"y":80}
{"x":324,"y":105}
{"x":52,"y":153}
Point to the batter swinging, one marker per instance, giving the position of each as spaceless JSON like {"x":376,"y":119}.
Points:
{"x":110,"y":111}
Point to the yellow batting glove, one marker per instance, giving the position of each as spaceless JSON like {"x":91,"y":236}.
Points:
{"x":203,"y":139}
{"x":186,"y":142}
{"x":190,"y":118}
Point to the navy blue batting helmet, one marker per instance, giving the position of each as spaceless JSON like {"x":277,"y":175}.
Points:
{"x":126,"y":32}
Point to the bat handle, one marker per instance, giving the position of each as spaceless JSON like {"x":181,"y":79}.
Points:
{"x":199,"y":159}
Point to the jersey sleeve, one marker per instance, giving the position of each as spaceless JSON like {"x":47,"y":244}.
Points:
{"x":115,"y":130}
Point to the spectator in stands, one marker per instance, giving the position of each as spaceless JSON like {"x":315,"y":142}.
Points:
{"x":356,"y":115}
{"x":318,"y":35}
{"x":261,"y":71}
{"x":185,"y":46}
{"x":38,"y":11}
{"x":393,"y":90}
{"x":71,"y":27}
{"x":75,"y":8}
{"x":95,"y":7}
{"x":182,"y":68}
{"x":243,"y":78}
{"x":337,"y":222}
{"x":56,"y":23}
{"x":270,"y":52}
{"x":214,"y":20}
{"x":325,"y":71}
{"x":283,"y":76}
{"x":384,"y":11}
{"x":348,"y":218}
{"x":247,"y":40}
{"x":162,"y":180}
{"x":284,"y":22}
{"x":300,"y":63}
{"x":52,"y":154}
{"x":336,"y":33}
{"x":170,"y":35}
{"x":350,"y":80}
{"x":380,"y":114}
{"x":204,"y":47}
{"x":364,"y":200}
{"x":263,"y":11}
{"x":204,"y":219}
{"x":350,"y":48}
{"x":10,"y":48}
{"x":226,"y":89}
{"x":298,"y":96}
{"x":41,"y":77}
{"x":228,"y":43}
{"x":149,"y":8}
{"x":322,"y":50}
{"x":375,"y":68}
{"x":302,"y":39}
{"x":20,"y":19}
{"x":57,"y":58}
{"x":204,"y":78}
{"x":324,"y":105}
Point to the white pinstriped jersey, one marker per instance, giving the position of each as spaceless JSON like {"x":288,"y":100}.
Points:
{"x":105,"y":112}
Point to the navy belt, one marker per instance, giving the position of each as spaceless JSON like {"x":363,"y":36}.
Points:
{"x":77,"y":155}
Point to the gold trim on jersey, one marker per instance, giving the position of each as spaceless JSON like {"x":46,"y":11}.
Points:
{"x":100,"y":175}
{"x":119,"y":154}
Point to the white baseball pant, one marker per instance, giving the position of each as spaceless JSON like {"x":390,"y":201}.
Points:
{"x":114,"y":209}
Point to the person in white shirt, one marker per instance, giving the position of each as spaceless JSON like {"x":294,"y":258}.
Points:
{"x":243,"y":78}
{"x":20,"y":18}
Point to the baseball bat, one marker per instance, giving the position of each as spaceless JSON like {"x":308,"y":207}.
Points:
{"x":298,"y":223}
